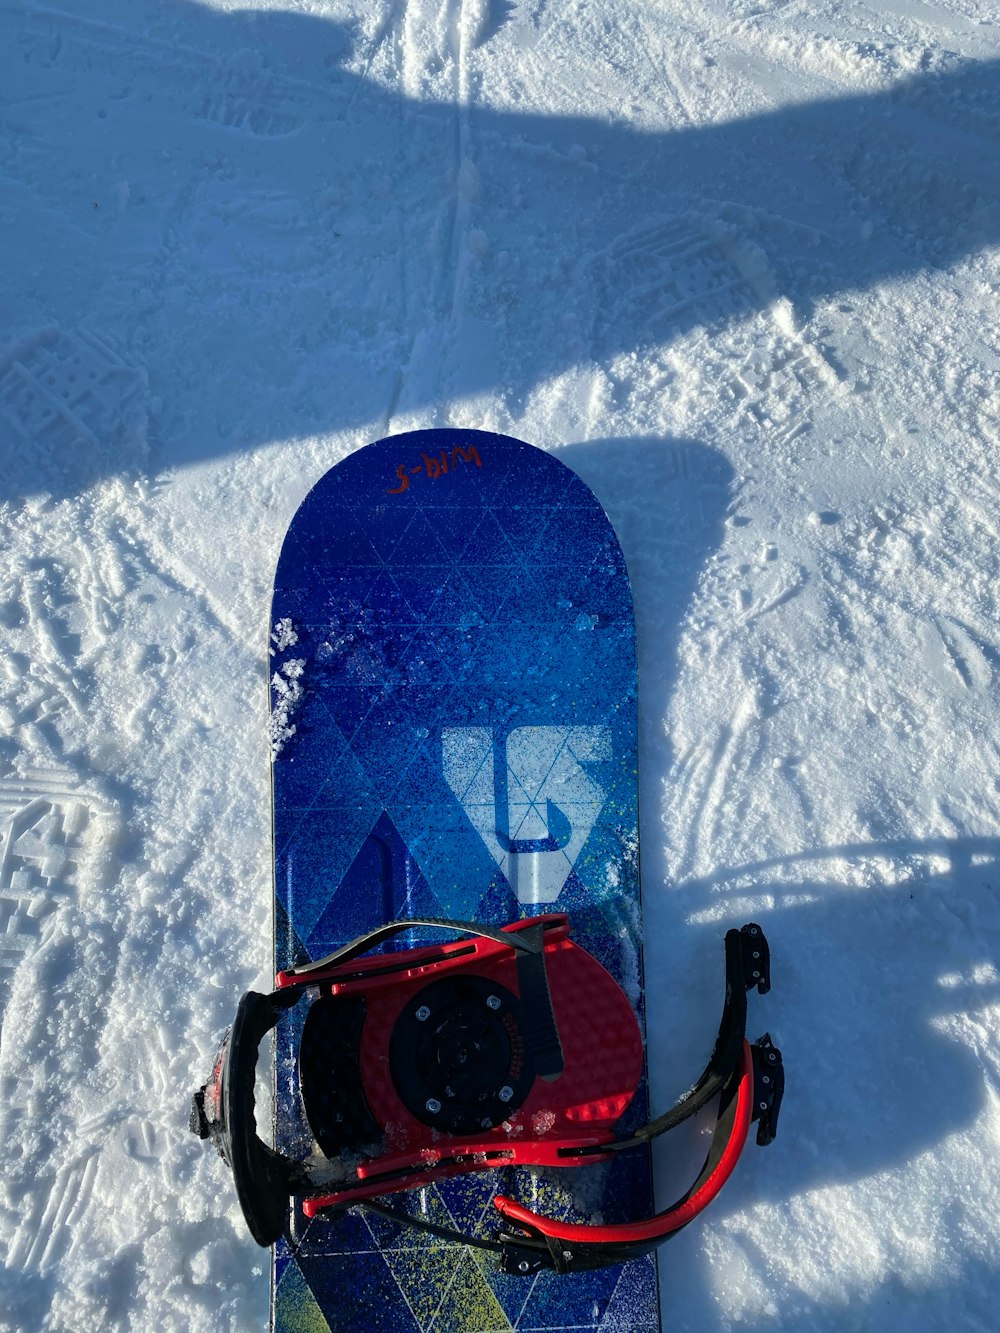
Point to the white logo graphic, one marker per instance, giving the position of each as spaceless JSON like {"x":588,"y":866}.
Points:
{"x":529,"y":798}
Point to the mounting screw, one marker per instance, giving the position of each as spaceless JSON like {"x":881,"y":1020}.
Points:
{"x":524,"y":1266}
{"x":423,"y":1013}
{"x":433,"y":1105}
{"x":506,"y":1092}
{"x":493,"y":1002}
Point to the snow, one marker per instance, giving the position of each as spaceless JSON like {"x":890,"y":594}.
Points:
{"x":738,"y":264}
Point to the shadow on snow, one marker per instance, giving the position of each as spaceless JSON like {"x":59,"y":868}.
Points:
{"x":214,"y":221}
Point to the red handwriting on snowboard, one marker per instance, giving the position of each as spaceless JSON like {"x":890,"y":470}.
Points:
{"x":434,"y":467}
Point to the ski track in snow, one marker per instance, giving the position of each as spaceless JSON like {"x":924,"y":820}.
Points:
{"x":244,"y":242}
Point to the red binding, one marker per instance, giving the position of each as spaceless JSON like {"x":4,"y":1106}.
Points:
{"x":568,"y":1043}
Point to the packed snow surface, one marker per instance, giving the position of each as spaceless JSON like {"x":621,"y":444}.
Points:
{"x":738,"y":264}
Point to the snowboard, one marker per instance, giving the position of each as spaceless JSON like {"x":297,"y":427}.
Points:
{"x":453,"y":732}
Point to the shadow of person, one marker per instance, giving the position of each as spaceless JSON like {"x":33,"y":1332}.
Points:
{"x":234,"y":227}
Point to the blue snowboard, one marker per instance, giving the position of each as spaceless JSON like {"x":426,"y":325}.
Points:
{"x":454,"y":735}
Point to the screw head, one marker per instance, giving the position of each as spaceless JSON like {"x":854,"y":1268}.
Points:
{"x":506,"y":1092}
{"x":423,"y":1013}
{"x":493,"y":1002}
{"x":433,"y":1105}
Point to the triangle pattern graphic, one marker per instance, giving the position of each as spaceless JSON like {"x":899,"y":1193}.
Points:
{"x":295,"y":1307}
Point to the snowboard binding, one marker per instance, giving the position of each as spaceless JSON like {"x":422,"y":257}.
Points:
{"x":512,"y":1048}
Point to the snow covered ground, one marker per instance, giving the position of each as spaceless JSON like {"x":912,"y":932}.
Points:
{"x":739,"y":264}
